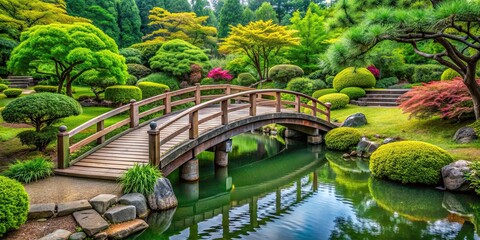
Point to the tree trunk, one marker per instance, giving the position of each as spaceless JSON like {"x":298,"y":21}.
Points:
{"x":69,"y":86}
{"x":474,"y":90}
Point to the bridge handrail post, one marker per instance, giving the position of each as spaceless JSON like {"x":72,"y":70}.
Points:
{"x":63,"y":148}
{"x":298,"y":103}
{"x":279,"y":101}
{"x":224,"y":109}
{"x":134,"y":119}
{"x":153,"y":145}
{"x":253,"y":104}
{"x":167,"y":102}
{"x":314,"y":110}
{"x":198,"y":94}
{"x":193,"y":132}
{"x":100,"y":127}
{"x":228,"y":91}
{"x":329,"y":106}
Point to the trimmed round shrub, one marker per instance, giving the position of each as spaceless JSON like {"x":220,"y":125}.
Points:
{"x":12,"y":92}
{"x":246,"y":79}
{"x":14,"y":205}
{"x":319,"y":84}
{"x":140,"y":179}
{"x":338,"y":100}
{"x":302,"y":85}
{"x":354,"y":92}
{"x":39,"y":139}
{"x":354,"y":77}
{"x":449,"y":74}
{"x":131,"y":80}
{"x":3,"y":87}
{"x":150,"y":89}
{"x":342,"y":138}
{"x":45,"y":88}
{"x":122,"y":93}
{"x":30,"y":170}
{"x":386,"y":82}
{"x":138,"y":70}
{"x":283,"y":73}
{"x":409,"y":162}
{"x":323,"y":92}
{"x":162,"y":78}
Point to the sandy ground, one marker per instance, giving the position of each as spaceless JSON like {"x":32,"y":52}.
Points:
{"x":34,"y":229}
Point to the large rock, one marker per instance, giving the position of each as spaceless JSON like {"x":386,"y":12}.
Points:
{"x":454,"y":176}
{"x":123,"y":230}
{"x":78,"y":236}
{"x":365,"y":148}
{"x":355,"y":120}
{"x":67,"y":208}
{"x":90,"y":221}
{"x":163,"y":196}
{"x":59,"y":234}
{"x":41,"y":210}
{"x":102,"y":202}
{"x":160,"y":221}
{"x":137,"y":200}
{"x":465,"y":135}
{"x":121,"y":213}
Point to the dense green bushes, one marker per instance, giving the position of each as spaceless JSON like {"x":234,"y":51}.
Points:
{"x":150,"y":89}
{"x":123,"y":94}
{"x":12,"y":92}
{"x":474,"y":176}
{"x":409,"y":162}
{"x":30,"y":170}
{"x":354,"y":77}
{"x":283,"y":73}
{"x":140,"y":179}
{"x":449,"y":74}
{"x":303,"y":85}
{"x":386,"y":82}
{"x":342,"y":138}
{"x":138,"y":70}
{"x":162,"y":78}
{"x":3,"y":87}
{"x":14,"y":205}
{"x":338,"y":100}
{"x":323,"y":92}
{"x":354,"y":92}
{"x":427,"y":73}
{"x":39,"y":139}
{"x":45,"y":88}
{"x":246,"y":79}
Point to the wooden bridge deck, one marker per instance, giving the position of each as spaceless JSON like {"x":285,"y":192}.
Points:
{"x":111,"y":161}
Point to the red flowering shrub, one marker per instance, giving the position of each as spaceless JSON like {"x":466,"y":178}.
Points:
{"x":374,"y":71}
{"x":195,"y":73}
{"x":448,"y":99}
{"x":218,"y":74}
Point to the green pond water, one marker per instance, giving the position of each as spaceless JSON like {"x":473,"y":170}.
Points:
{"x":275,"y":191}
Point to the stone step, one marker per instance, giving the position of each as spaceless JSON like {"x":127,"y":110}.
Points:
{"x":369,"y":99}
{"x":20,"y":77}
{"x":18,"y":86}
{"x":381,"y":104}
{"x":387,"y":91}
{"x":90,"y":221}
{"x":383,"y":95}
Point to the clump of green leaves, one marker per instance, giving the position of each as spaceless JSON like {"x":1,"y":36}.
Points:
{"x":30,"y":170}
{"x":140,"y":179}
{"x":474,"y":176}
{"x":13,"y":205}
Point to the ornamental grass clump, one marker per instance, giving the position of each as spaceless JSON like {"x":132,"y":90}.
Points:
{"x":409,"y":162}
{"x":30,"y":170}
{"x":342,"y":138}
{"x":140,"y":179}
{"x":14,"y":205}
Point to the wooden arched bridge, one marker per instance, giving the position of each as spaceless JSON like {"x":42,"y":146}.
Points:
{"x":153,"y":132}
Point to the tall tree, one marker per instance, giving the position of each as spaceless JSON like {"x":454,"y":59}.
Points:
{"x":260,"y":41}
{"x":177,"y":6}
{"x":66,"y":51}
{"x":266,"y":12}
{"x":129,"y":23}
{"x":247,"y":16}
{"x":200,"y":7}
{"x":217,"y":6}
{"x":144,"y":6}
{"x":451,"y":23}
{"x":229,"y":15}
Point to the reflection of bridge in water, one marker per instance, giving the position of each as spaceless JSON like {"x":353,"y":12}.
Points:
{"x":234,"y":209}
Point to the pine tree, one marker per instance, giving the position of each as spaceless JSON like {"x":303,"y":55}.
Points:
{"x":129,"y":23}
{"x":247,"y":16}
{"x":176,"y":6}
{"x":144,"y":6}
{"x":266,"y":12}
{"x":199,"y":7}
{"x":230,"y":14}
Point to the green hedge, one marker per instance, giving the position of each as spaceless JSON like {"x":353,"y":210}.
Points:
{"x":338,"y":100}
{"x":38,"y":139}
{"x":45,"y":88}
{"x":386,"y":82}
{"x":427,"y":73}
{"x":342,"y":138}
{"x":323,"y":92}
{"x":150,"y":89}
{"x":246,"y":79}
{"x":354,"y":77}
{"x":14,"y":205}
{"x":302,"y":85}
{"x":319,"y":84}
{"x":283,"y":73}
{"x":3,"y":87}
{"x":138,"y":70}
{"x":162,"y":78}
{"x":354,"y":92}
{"x":12,"y":92}
{"x":449,"y":74}
{"x":409,"y":162}
{"x":122,"y":93}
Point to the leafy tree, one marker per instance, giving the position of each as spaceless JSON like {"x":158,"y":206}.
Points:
{"x":266,"y":12}
{"x":129,"y":23}
{"x":186,"y":26}
{"x":177,"y":6}
{"x":451,"y":23}
{"x":260,"y":41}
{"x":247,"y":16}
{"x":217,"y":6}
{"x":144,"y":7}
{"x":200,"y":7}
{"x":66,"y":51}
{"x":229,"y":15}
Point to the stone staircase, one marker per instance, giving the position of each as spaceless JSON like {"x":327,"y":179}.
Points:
{"x":20,"y":81}
{"x":383,"y":98}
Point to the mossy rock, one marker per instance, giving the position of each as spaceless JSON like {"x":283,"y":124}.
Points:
{"x":354,"y":77}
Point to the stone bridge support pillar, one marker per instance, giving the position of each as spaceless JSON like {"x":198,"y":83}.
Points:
{"x":221,"y":153}
{"x":189,"y":170}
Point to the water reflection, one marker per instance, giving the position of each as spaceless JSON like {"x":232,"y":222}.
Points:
{"x":305,"y":192}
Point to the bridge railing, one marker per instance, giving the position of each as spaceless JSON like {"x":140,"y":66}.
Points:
{"x":131,"y":115}
{"x":251,"y":100}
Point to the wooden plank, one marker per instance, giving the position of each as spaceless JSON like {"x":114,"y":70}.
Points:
{"x":211,"y":117}
{"x":131,"y":163}
{"x":82,"y":173}
{"x":118,"y":155}
{"x":151,"y":111}
{"x":102,"y":165}
{"x":96,"y":170}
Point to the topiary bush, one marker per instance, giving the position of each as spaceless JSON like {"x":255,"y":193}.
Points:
{"x":30,"y":170}
{"x":338,"y":100}
{"x":427,"y":73}
{"x":386,"y":82}
{"x":140,"y":179}
{"x":131,"y":80}
{"x":39,"y":139}
{"x":162,"y":78}
{"x":246,"y":79}
{"x":354,"y":77}
{"x":138,"y":70}
{"x":14,"y":205}
{"x":283,"y":73}
{"x":449,"y":74}
{"x":45,"y":88}
{"x":150,"y":89}
{"x":354,"y":92}
{"x":3,"y":87}
{"x":302,"y":85}
{"x":323,"y":92}
{"x":12,"y":92}
{"x":319,"y":84}
{"x":342,"y":138}
{"x":409,"y":162}
{"x":123,"y":94}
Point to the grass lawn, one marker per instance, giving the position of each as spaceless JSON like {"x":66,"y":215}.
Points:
{"x":392,"y":123}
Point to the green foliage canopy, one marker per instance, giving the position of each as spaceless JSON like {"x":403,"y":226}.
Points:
{"x":14,"y":205}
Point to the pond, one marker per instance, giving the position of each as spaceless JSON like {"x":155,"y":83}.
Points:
{"x":273,"y":190}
